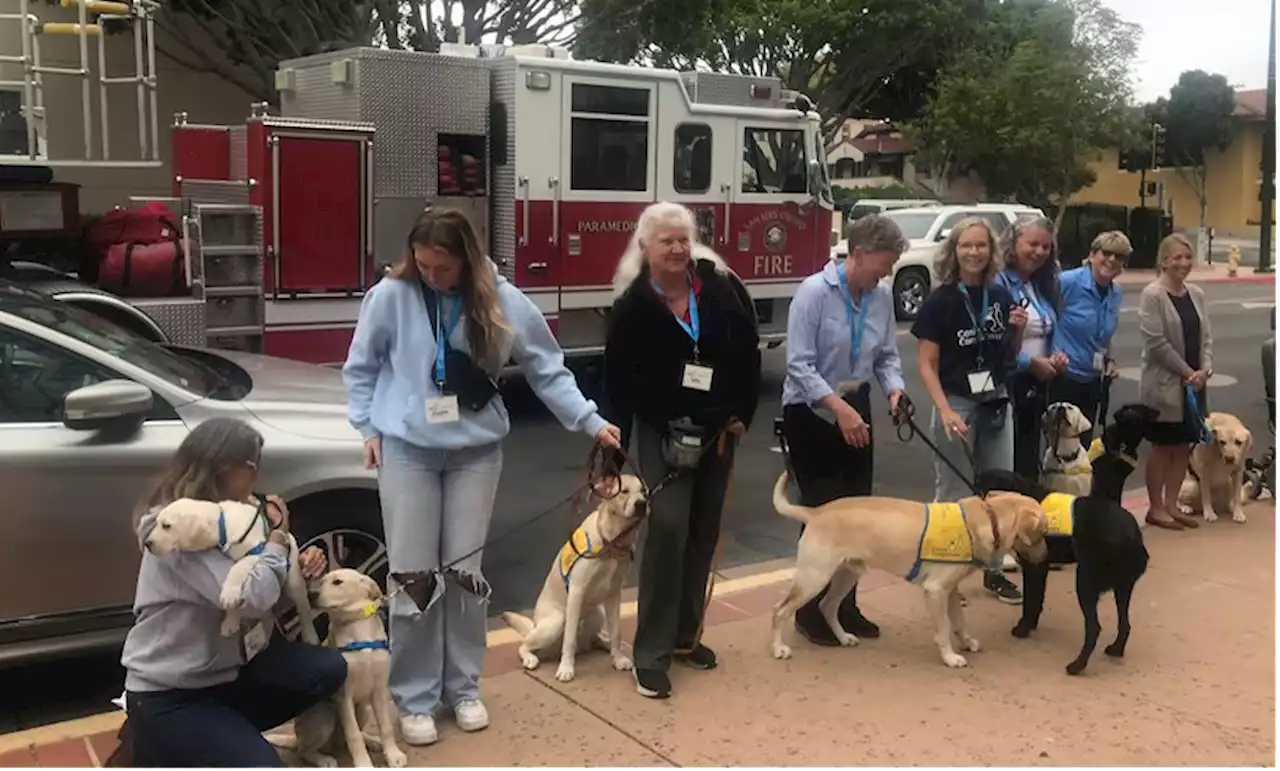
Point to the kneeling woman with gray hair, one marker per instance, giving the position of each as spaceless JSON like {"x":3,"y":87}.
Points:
{"x":682,"y":362}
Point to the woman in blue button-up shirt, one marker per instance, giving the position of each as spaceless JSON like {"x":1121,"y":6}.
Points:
{"x":1090,"y":314}
{"x":841,"y":335}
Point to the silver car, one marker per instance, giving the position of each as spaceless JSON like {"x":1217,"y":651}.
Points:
{"x":90,"y":412}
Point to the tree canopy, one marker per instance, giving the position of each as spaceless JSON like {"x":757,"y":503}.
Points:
{"x":1197,"y":119}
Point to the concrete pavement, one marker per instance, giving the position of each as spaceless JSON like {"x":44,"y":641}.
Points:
{"x":1196,"y":687}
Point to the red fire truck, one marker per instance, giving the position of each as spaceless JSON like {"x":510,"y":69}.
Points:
{"x":553,"y":158}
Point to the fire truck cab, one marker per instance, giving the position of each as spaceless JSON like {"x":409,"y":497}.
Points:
{"x":554,"y":159}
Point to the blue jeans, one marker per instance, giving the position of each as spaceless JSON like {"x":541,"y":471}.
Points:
{"x":221,"y":726}
{"x":990,"y":440}
{"x":436,"y":507}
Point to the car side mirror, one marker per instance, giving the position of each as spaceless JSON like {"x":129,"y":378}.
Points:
{"x":109,"y":404}
{"x":942,"y":235}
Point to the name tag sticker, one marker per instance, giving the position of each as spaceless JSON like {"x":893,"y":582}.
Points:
{"x":255,"y":639}
{"x":1098,"y":361}
{"x":697,"y":377}
{"x":442,"y":409}
{"x":981,"y":383}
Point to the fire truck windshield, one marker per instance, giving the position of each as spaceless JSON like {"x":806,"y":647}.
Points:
{"x":824,"y":176}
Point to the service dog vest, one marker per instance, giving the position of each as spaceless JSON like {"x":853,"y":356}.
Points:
{"x":945,"y":538}
{"x":579,"y":546}
{"x":1059,"y":510}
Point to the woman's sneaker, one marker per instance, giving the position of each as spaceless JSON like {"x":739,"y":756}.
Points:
{"x":1002,"y":588}
{"x":471,"y":715}
{"x":653,"y":683}
{"x":419,"y":730}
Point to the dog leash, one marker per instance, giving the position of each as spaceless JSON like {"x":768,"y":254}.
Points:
{"x":907,"y":429}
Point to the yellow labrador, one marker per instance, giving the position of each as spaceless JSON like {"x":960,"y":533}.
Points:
{"x":583,"y":592}
{"x":845,"y":537}
{"x":1215,"y":475}
{"x":1067,"y":468}
{"x":351,"y":600}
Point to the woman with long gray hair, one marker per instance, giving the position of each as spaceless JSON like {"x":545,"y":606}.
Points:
{"x":682,"y":362}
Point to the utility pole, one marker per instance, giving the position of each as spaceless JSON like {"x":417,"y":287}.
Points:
{"x":1268,"y":192}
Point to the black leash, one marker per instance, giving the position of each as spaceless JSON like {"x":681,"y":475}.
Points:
{"x":907,"y":428}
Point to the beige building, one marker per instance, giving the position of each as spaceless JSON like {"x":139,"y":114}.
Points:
{"x":206,"y":97}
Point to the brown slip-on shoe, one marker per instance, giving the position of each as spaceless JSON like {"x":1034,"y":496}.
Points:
{"x":1167,"y":524}
{"x":1184,"y":519}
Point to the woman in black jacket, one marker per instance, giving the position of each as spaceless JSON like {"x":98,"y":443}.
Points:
{"x":682,"y":367}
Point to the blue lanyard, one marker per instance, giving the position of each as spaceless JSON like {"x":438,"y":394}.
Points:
{"x":694,"y":328}
{"x":442,"y":334}
{"x":855,"y":329}
{"x":980,"y":335}
{"x":1029,"y":293}
{"x":1099,"y":342}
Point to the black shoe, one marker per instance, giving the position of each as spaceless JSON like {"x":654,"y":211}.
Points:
{"x":701,"y":657}
{"x":653,"y":683}
{"x":854,"y":622}
{"x":1002,"y":588}
{"x":813,"y":627}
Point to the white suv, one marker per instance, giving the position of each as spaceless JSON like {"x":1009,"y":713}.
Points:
{"x":925,"y":228}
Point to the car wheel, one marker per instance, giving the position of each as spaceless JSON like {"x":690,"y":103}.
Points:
{"x":910,"y":287}
{"x":347,"y":526}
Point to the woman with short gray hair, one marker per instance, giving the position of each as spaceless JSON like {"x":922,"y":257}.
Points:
{"x":840,"y":336}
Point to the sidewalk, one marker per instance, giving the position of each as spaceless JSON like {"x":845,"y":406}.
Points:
{"x":1196,"y":686}
{"x":1201,"y":274}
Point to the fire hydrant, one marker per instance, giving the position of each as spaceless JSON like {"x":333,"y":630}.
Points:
{"x":1233,"y":260}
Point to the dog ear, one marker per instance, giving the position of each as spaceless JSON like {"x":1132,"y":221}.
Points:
{"x":1079,"y":422}
{"x":371,"y":588}
{"x":607,"y":486}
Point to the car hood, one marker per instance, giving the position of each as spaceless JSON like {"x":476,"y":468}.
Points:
{"x":303,"y":399}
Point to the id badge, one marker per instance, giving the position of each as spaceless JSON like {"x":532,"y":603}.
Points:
{"x":442,"y":409}
{"x":981,"y":382}
{"x":254,"y":640}
{"x":1099,"y":361}
{"x":697,"y":377}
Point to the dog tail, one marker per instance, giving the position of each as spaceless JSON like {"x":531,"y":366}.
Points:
{"x":522,"y":624}
{"x":787,"y":508}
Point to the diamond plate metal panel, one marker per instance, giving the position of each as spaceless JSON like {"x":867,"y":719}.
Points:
{"x":239,"y":153}
{"x":503,"y":190}
{"x":393,"y":218}
{"x":215,"y":191}
{"x":315,"y":94}
{"x":182,"y":319}
{"x":730,"y":89}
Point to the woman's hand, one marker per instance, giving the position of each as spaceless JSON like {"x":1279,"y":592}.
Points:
{"x":1060,"y":362}
{"x":1198,"y":379}
{"x":895,"y":396}
{"x":1018,"y":317}
{"x":372,"y":452}
{"x":313,"y":562}
{"x":610,"y":437}
{"x":278,"y":537}
{"x":952,"y":423}
{"x":277,"y":512}
{"x":852,"y":426}
{"x":1042,"y":369}
{"x":1113,"y":371}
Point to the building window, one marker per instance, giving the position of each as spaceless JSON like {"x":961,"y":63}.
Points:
{"x":773,"y":161}
{"x":692,"y":171}
{"x":13,"y":125}
{"x":610,"y":149}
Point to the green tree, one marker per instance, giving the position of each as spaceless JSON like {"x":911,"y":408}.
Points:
{"x":1026,"y":108}
{"x":1197,"y":117}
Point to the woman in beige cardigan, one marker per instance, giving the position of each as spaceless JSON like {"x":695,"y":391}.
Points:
{"x":1177,"y":351}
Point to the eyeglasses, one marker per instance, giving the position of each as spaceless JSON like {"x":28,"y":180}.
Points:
{"x":1120,"y":257}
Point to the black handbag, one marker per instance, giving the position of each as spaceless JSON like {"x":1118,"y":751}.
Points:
{"x":473,"y":387}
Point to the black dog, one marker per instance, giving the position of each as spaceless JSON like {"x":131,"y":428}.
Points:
{"x":1106,"y":541}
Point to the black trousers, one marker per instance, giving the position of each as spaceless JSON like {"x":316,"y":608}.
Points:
{"x":825,"y":466}
{"x":1085,"y":395}
{"x":679,"y":546}
{"x":1030,"y":397}
{"x":221,"y":726}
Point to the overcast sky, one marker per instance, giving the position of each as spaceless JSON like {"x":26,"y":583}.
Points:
{"x":1223,"y":36}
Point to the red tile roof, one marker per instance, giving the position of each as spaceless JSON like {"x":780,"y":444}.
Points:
{"x":1251,"y":103}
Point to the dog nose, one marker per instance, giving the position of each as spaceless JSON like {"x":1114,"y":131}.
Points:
{"x":642,"y":508}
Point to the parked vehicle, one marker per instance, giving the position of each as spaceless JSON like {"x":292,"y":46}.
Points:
{"x":1260,"y":475}
{"x":69,"y":556}
{"x":867,"y":206}
{"x":913,"y":277}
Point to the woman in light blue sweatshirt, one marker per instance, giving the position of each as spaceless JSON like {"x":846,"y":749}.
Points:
{"x":420,"y":375}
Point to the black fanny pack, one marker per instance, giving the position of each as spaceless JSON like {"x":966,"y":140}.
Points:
{"x":473,"y":386}
{"x":683,"y":444}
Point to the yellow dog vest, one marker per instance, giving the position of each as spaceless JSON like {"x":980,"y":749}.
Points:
{"x":578,"y":546}
{"x":1059,"y":511}
{"x":945,"y":537}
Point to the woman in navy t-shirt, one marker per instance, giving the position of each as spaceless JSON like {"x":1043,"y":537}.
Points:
{"x":969,"y":330}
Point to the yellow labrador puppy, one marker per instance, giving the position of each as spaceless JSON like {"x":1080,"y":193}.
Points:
{"x":935,"y":545}
{"x":1067,"y":467}
{"x":1215,"y":475}
{"x":583,"y":592}
{"x":351,"y":600}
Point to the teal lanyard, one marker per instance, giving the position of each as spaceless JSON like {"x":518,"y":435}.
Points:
{"x":442,"y":334}
{"x":980,"y":336}
{"x":855,"y":327}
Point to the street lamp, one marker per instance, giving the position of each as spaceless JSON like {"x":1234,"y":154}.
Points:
{"x":1268,"y":191}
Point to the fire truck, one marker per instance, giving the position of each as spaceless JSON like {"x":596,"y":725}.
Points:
{"x":289,"y":218}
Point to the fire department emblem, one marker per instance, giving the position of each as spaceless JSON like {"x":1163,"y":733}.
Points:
{"x":775,"y":237}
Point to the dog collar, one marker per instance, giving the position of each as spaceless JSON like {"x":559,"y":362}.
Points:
{"x":995,"y":532}
{"x":257,"y":518}
{"x":366,"y":645}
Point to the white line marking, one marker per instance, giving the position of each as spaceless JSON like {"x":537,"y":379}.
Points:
{"x":1218,"y":380}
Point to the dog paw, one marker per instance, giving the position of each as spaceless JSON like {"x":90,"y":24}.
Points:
{"x":230,"y":626}
{"x":395,"y":758}
{"x":622,"y":663}
{"x":1238,"y":517}
{"x":1114,"y":651}
{"x":972,"y":644}
{"x":565,"y":673}
{"x":1075,"y":667}
{"x":230,"y":598}
{"x":324,"y":761}
{"x":781,"y":651}
{"x":1021,"y":631}
{"x":847,"y":640}
{"x":954,"y":660}
{"x":529,"y":660}
{"x":1209,"y":516}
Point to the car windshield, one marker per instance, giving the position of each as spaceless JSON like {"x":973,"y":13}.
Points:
{"x":915,"y":225}
{"x":105,"y":336}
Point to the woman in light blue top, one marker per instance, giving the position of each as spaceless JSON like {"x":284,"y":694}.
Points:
{"x":841,"y":335}
{"x":420,"y":375}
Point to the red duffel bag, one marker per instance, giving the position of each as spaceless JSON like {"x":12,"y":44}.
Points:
{"x":148,"y":223}
{"x":143,"y":270}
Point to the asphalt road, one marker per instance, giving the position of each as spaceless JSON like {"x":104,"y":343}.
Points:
{"x":544,"y":463}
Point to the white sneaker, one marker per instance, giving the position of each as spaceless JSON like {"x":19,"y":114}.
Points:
{"x":419,"y":730}
{"x":1008,"y":564}
{"x":471,"y":715}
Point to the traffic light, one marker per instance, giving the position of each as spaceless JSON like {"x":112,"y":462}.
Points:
{"x":1159,"y":156}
